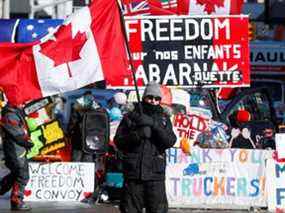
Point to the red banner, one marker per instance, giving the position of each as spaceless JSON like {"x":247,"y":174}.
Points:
{"x":207,"y":51}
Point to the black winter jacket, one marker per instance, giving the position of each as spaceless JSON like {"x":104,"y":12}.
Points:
{"x":16,"y":140}
{"x":144,"y":159}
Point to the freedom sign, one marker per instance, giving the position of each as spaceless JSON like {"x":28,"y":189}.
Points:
{"x":60,"y":181}
{"x":189,"y":51}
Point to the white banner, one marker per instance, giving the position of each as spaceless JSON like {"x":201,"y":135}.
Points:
{"x":275,"y":174}
{"x":280,"y":145}
{"x":60,"y":181}
{"x":216,"y":177}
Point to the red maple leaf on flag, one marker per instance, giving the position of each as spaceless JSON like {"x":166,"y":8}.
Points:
{"x":64,"y":48}
{"x":210,"y":4}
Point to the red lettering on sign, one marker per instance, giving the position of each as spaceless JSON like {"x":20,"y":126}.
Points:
{"x":190,"y":121}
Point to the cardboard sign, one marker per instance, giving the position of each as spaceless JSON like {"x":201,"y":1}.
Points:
{"x":60,"y":181}
{"x":188,"y":126}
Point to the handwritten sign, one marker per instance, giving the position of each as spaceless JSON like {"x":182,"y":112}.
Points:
{"x":275,"y":175}
{"x":60,"y":181}
{"x":280,"y":144}
{"x":188,"y":126}
{"x":216,"y":176}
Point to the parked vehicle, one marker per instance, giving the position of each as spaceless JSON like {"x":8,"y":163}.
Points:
{"x":249,"y":111}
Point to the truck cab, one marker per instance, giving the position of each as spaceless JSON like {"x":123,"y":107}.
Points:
{"x":248,"y":113}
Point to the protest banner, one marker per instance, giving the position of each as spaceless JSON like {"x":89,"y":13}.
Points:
{"x":60,"y":181}
{"x":189,"y":51}
{"x":216,"y":177}
{"x":188,"y":126}
{"x":276,"y":188}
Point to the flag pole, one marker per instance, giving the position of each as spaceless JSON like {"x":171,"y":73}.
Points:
{"x":130,"y":55}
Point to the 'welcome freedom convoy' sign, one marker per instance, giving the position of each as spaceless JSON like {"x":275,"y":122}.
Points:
{"x":209,"y":51}
{"x":60,"y":181}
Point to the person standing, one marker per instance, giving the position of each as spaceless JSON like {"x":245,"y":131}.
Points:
{"x":16,"y":143}
{"x":143,"y":137}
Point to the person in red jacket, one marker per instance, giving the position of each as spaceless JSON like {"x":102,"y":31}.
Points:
{"x":142,"y":138}
{"x":16,"y":143}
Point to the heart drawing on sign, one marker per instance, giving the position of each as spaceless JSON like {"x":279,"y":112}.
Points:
{"x":87,"y":194}
{"x":27,"y":193}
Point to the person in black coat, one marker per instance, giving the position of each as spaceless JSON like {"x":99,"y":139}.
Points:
{"x":16,"y":143}
{"x":143,"y":138}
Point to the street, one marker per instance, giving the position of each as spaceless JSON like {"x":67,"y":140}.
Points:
{"x":71,"y":207}
{"x":75,"y":207}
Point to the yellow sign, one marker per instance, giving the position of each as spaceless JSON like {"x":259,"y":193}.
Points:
{"x":52,"y":132}
{"x":47,"y":138}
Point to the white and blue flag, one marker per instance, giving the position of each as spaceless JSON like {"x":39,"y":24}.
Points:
{"x":34,"y":29}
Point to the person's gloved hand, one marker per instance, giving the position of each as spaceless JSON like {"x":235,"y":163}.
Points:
{"x":144,"y":120}
{"x":144,"y":132}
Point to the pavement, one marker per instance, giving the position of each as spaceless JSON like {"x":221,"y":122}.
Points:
{"x":58,"y":207}
{"x":78,"y":207}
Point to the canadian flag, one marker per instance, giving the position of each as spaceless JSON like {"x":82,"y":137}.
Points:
{"x":209,"y":7}
{"x":87,"y":48}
